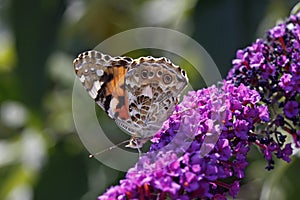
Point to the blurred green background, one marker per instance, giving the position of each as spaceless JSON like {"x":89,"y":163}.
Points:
{"x":41,"y":156}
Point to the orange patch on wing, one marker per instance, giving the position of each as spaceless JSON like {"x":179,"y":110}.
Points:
{"x":123,"y":111}
{"x":116,"y":88}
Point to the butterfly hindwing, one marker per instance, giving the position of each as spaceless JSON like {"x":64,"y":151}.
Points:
{"x":153,"y":86}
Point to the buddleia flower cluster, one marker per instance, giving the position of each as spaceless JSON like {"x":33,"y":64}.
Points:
{"x":201,"y":151}
{"x":272,"y":68}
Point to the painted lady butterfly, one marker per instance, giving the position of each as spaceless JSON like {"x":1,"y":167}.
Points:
{"x":139,"y":94}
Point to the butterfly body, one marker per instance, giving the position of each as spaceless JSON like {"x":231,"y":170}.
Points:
{"x":139,"y":94}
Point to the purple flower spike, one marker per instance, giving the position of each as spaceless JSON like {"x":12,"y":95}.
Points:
{"x":201,"y":151}
{"x":272,"y":68}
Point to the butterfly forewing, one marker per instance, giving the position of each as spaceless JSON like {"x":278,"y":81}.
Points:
{"x":103,"y":77}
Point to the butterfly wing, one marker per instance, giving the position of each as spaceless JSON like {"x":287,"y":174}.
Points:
{"x":153,"y":86}
{"x":138,"y":94}
{"x":103,"y":77}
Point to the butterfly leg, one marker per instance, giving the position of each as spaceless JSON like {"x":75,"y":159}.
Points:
{"x":140,"y":152}
{"x":182,"y":111}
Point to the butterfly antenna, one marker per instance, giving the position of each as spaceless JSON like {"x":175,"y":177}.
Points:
{"x":140,"y":152}
{"x":108,"y":149}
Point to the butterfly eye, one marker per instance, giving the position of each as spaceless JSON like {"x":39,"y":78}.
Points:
{"x":167,"y":78}
{"x":144,"y":73}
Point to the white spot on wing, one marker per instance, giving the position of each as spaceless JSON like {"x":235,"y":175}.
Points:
{"x":94,"y":91}
{"x":82,"y":78}
{"x":113,"y":104}
{"x":99,"y":72}
{"x":148,"y":91}
{"x":96,"y":86}
{"x":78,"y":66}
